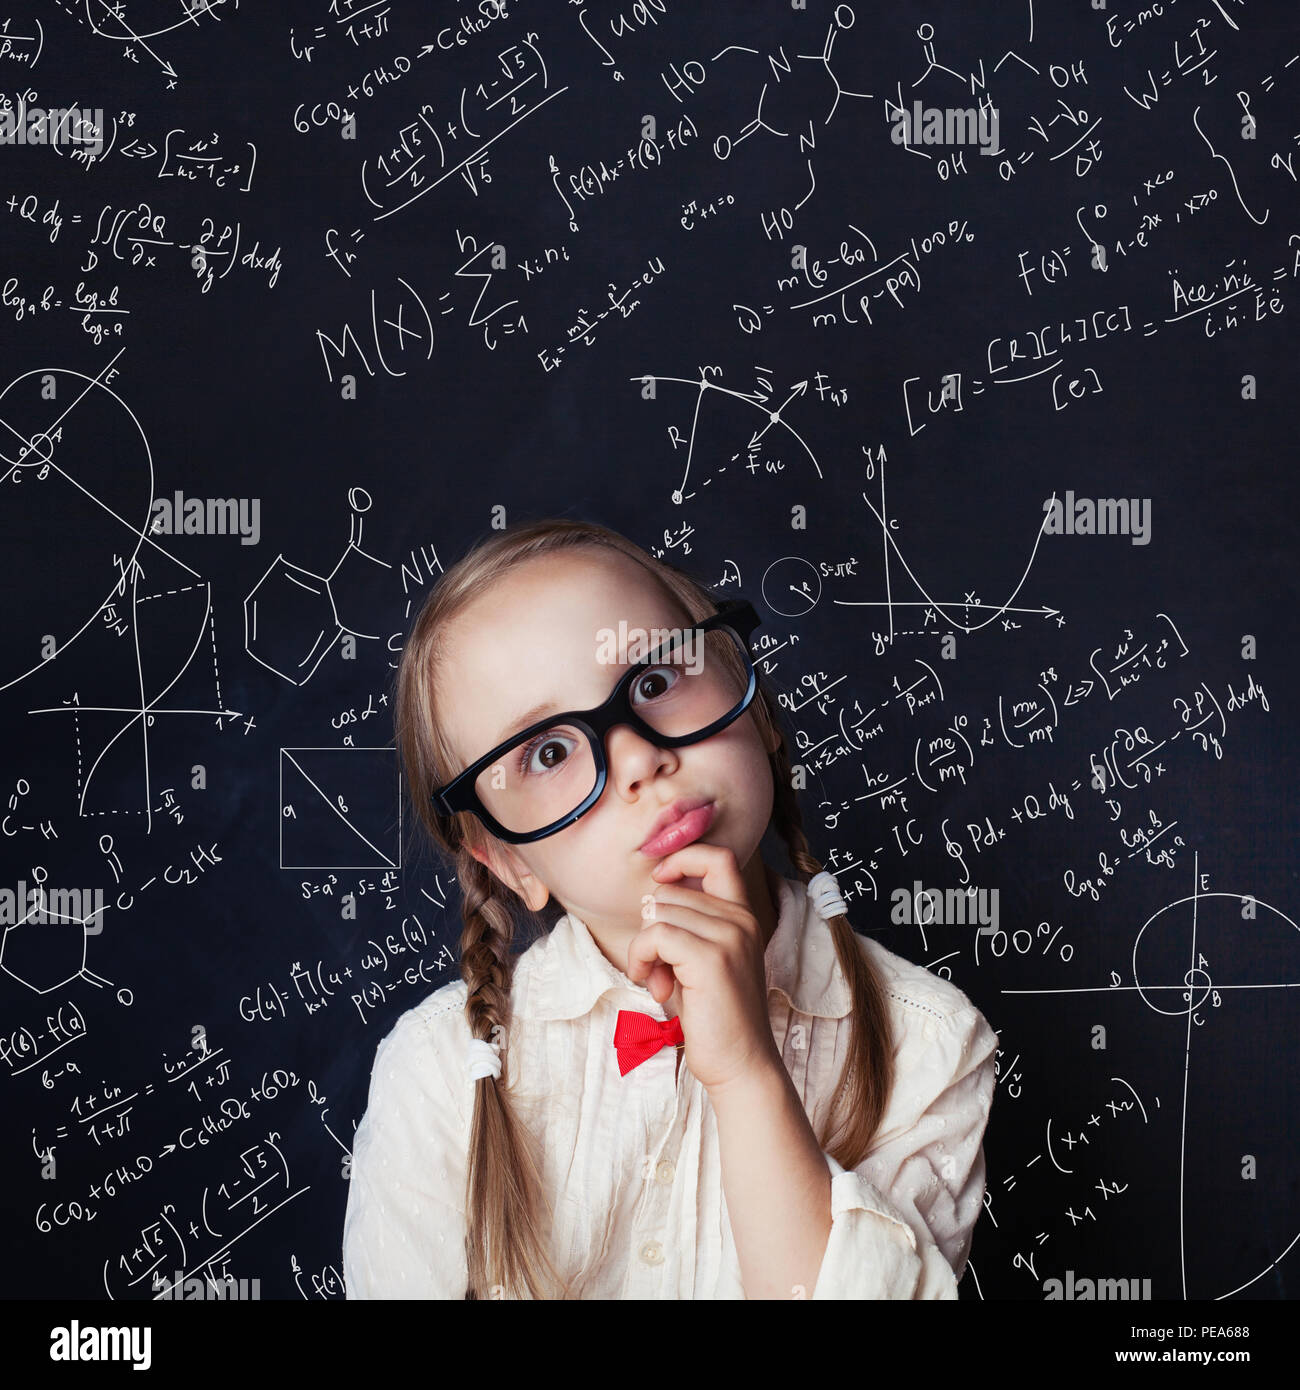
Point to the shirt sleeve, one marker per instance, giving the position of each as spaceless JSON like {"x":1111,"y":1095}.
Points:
{"x":404,"y":1230}
{"x":901,"y":1221}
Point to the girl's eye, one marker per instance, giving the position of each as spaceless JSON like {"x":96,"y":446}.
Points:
{"x":551,"y":748}
{"x":654,"y":678}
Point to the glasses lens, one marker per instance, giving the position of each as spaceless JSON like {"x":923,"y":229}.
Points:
{"x":688,"y":684}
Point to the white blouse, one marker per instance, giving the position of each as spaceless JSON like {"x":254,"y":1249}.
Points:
{"x":631,"y":1167}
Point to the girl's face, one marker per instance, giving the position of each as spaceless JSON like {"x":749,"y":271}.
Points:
{"x":534,"y":639}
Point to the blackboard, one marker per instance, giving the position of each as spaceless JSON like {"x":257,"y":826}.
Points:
{"x":960,"y":340}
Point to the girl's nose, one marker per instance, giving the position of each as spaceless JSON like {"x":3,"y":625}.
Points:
{"x":632,"y":759}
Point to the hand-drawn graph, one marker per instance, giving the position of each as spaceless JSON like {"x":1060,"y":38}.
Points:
{"x":791,"y":587}
{"x":1236,"y":945}
{"x":79,"y":471}
{"x":132,"y":25}
{"x":945,"y":608}
{"x":71,"y":509}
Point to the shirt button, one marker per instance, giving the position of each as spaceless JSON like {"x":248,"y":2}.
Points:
{"x":664,"y":1171}
{"x":652,"y":1252}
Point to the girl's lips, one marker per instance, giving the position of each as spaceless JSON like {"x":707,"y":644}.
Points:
{"x":682,"y":831}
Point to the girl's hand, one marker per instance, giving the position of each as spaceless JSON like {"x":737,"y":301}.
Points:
{"x":711,"y":940}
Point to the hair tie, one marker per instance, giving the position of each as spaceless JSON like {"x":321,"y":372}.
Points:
{"x":483,"y":1059}
{"x":825,"y":893}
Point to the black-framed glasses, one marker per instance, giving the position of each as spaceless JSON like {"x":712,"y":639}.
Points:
{"x":543,"y":778}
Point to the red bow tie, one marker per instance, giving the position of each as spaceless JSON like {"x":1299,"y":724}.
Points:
{"x":638,"y":1036}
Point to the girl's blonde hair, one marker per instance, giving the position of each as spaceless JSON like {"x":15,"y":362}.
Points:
{"x":504,"y":1244}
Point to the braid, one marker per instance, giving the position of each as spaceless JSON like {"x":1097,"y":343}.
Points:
{"x":485,"y":939}
{"x":502,"y":1171}
{"x":868,"y":1075}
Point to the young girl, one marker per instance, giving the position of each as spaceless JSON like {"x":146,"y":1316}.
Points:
{"x":698,"y":1081}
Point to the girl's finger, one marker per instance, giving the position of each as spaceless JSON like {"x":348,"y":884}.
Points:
{"x":684,"y":910}
{"x":661,"y":982}
{"x":663,"y":941}
{"x":714,"y":865}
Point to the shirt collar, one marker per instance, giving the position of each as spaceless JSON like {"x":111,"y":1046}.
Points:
{"x":562,"y":975}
